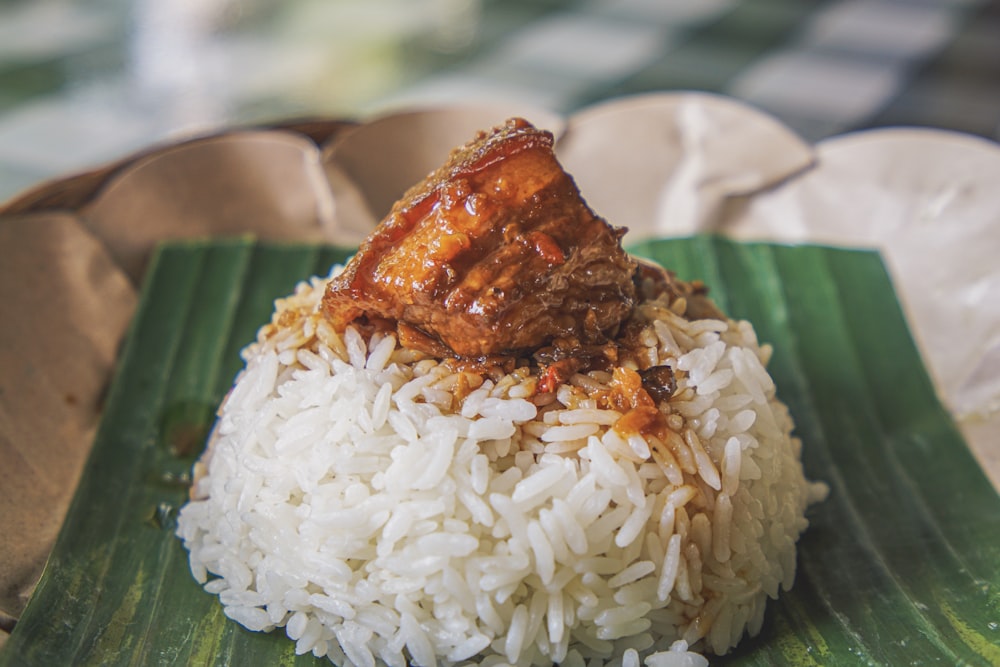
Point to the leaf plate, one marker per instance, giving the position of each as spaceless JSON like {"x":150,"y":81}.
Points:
{"x":901,"y":564}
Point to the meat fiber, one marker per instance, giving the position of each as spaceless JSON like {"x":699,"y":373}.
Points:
{"x":495,"y":252}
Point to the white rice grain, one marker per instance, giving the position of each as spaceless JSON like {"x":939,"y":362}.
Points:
{"x":633,"y":572}
{"x":516,"y":634}
{"x":588,"y":416}
{"x":542,"y":549}
{"x":569,"y":433}
{"x":352,"y":498}
{"x":538,"y":484}
{"x":721,"y":528}
{"x":633,"y":525}
{"x":604,"y":465}
{"x":706,"y":467}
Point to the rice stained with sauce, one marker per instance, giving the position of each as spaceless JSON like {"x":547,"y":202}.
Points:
{"x":384,"y":509}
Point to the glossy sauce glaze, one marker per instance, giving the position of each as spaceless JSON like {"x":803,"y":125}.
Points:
{"x":494,"y":253}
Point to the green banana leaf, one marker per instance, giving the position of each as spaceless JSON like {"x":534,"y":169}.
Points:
{"x":901,"y":565}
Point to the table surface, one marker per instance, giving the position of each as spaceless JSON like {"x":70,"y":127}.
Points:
{"x":89,"y":81}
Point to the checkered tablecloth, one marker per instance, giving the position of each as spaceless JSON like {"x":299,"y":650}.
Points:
{"x":85,"y":82}
{"x":822,"y":67}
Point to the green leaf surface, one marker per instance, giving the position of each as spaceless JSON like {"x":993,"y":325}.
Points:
{"x":901,"y":565}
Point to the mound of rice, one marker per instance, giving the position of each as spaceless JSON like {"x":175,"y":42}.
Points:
{"x":382,"y":507}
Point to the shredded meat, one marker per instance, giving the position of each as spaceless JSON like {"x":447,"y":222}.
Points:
{"x":494,"y":253}
{"x":659,"y":382}
{"x":653,"y":281}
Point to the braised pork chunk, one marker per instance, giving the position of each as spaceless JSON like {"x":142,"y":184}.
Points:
{"x":495,"y":252}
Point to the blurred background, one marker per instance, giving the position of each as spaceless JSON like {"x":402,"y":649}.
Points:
{"x":87,"y":81}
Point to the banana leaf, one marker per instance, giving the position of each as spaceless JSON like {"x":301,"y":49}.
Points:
{"x":901,"y":564}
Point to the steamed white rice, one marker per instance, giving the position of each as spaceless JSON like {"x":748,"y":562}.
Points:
{"x":349,"y":497}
